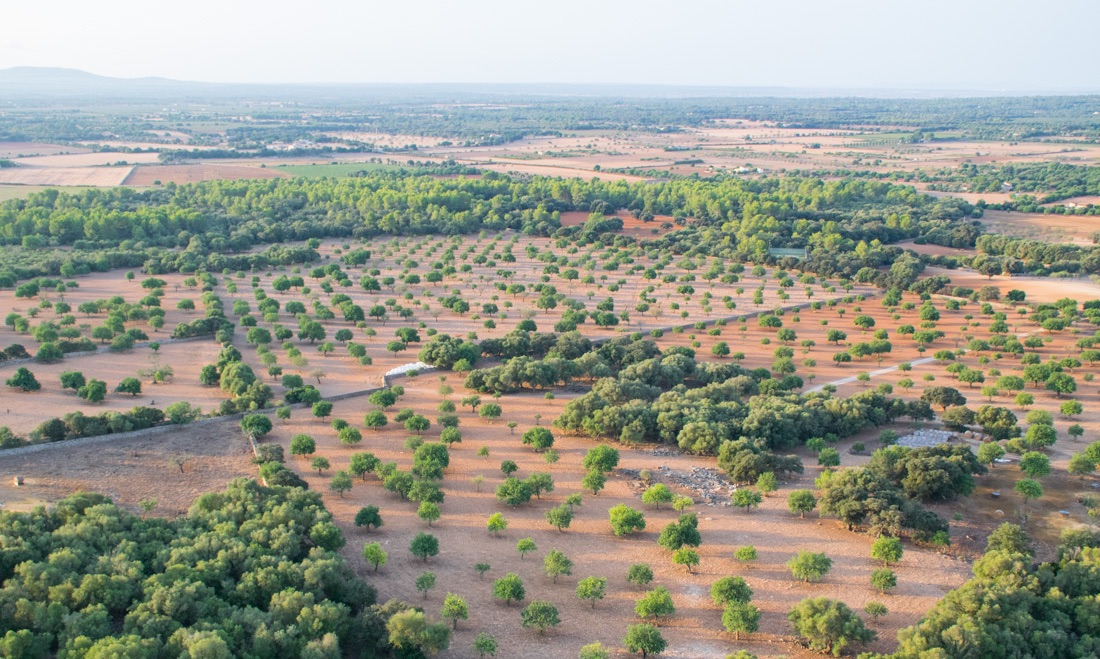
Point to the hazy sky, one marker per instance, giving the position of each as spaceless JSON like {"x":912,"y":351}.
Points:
{"x":972,"y":44}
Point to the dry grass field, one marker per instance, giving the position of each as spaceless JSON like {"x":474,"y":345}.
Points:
{"x":743,"y":146}
{"x":98,"y":159}
{"x":131,"y":470}
{"x":100,"y":177}
{"x":12,"y":150}
{"x":146,"y":175}
{"x":1077,"y":229}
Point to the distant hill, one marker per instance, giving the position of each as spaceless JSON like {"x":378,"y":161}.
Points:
{"x":61,"y":84}
{"x":22,"y":81}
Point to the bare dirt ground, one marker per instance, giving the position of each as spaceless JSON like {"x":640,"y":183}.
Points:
{"x":28,"y":410}
{"x":103,"y":177}
{"x":149,"y":174}
{"x":1077,"y":229}
{"x":693,"y":632}
{"x":97,"y":159}
{"x":1085,"y":200}
{"x":26,"y":149}
{"x":935,"y":250}
{"x":632,"y":226}
{"x":131,"y":470}
{"x":22,"y":412}
{"x":1046,"y":289}
{"x":972,"y":197}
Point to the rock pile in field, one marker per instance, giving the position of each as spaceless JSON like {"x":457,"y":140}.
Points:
{"x":709,"y":486}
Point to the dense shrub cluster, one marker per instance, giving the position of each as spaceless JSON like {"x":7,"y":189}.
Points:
{"x":1015,"y":607}
{"x":671,"y":398}
{"x":77,"y":424}
{"x":14,"y":351}
{"x":249,"y":572}
{"x":885,"y":496}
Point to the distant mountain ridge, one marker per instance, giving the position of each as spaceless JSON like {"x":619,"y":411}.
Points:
{"x":56,"y":82}
{"x":53,"y":82}
{"x":40,"y":74}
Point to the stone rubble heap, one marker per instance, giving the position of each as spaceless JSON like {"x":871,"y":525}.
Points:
{"x":709,"y":486}
{"x":926,"y":437}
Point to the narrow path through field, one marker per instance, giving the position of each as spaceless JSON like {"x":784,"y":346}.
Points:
{"x":881,"y":371}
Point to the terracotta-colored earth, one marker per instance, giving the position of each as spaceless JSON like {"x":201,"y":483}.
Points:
{"x":131,"y":470}
{"x":1041,"y":289}
{"x":145,"y":175}
{"x":632,"y":226}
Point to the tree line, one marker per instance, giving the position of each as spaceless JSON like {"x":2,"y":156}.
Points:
{"x":845,"y":225}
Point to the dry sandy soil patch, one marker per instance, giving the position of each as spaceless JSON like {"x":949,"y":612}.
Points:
{"x":632,"y":226}
{"x":972,"y":197}
{"x":935,"y":250}
{"x":23,"y":149}
{"x":103,"y":177}
{"x":96,"y":159}
{"x":130,"y":470}
{"x":22,"y":412}
{"x":693,"y":632}
{"x":1077,"y":229}
{"x":1038,"y":289}
{"x":144,"y":175}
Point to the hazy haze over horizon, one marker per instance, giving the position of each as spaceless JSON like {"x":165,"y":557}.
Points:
{"x":1010,"y":45}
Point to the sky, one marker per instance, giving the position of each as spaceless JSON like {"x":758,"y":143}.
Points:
{"x":996,"y":45}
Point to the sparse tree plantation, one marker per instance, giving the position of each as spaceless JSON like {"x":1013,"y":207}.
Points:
{"x":531,"y":404}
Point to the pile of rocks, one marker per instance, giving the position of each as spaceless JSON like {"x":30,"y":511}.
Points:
{"x":709,"y":486}
{"x":926,"y":437}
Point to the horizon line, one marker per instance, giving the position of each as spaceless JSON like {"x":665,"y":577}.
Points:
{"x":926,"y":88}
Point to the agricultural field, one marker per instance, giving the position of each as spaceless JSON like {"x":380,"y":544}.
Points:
{"x":743,"y":146}
{"x":336,"y":327}
{"x":1078,"y":230}
{"x":102,"y":177}
{"x":334,"y":169}
{"x":146,"y":175}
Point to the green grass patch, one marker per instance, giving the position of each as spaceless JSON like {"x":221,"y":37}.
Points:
{"x":337,"y":170}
